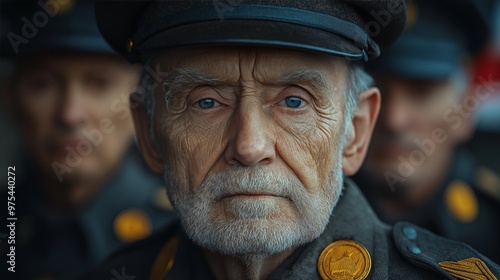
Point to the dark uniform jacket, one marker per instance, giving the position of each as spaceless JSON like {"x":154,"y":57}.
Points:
{"x":466,"y":207}
{"x":404,"y":251}
{"x":50,"y":246}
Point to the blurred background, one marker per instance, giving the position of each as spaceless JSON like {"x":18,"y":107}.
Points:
{"x":82,"y":189}
{"x":41,"y":114}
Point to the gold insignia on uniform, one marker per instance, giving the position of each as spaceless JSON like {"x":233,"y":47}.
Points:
{"x":131,"y":225}
{"x":344,"y":259}
{"x":411,"y":12}
{"x":160,"y":200}
{"x":472,"y":268}
{"x":164,"y":260}
{"x":461,"y":201}
{"x":489,"y":182}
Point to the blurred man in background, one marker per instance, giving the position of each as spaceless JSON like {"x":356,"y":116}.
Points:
{"x":82,"y":189}
{"x":414,"y":170}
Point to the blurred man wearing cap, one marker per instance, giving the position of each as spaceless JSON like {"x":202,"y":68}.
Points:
{"x":82,"y":190}
{"x":261,"y":109}
{"x":414,"y":170}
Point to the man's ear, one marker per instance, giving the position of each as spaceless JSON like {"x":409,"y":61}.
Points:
{"x":360,"y":131}
{"x":144,"y":138}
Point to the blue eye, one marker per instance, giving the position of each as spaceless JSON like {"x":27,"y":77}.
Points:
{"x":294,"y":102}
{"x":206,"y":103}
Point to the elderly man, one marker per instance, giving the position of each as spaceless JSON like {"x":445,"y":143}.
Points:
{"x":82,"y":189}
{"x":261,"y":109}
{"x":414,"y":170}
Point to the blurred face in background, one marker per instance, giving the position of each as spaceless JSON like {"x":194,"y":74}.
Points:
{"x":411,"y":112}
{"x":73,"y":111}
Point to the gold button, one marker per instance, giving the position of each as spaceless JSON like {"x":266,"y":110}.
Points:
{"x":344,"y":259}
{"x":461,"y":202}
{"x":131,"y":225}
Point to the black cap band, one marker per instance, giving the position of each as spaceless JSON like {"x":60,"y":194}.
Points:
{"x":307,"y":18}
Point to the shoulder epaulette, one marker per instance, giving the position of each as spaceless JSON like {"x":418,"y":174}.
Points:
{"x":452,"y":259}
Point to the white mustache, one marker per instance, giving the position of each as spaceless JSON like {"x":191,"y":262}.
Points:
{"x":254,"y":227}
{"x":255,"y":180}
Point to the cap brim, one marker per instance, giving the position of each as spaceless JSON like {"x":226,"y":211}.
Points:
{"x":256,"y":33}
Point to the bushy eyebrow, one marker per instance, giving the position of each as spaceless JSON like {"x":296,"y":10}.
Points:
{"x":181,"y":79}
{"x":312,"y":78}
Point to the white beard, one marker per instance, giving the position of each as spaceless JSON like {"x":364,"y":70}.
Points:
{"x":254,"y":227}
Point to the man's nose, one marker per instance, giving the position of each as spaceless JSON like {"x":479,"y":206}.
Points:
{"x":72,"y":110}
{"x":252,"y":137}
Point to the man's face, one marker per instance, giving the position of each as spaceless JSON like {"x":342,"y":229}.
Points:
{"x":411,"y":112}
{"x":73,"y":110}
{"x":250,"y":139}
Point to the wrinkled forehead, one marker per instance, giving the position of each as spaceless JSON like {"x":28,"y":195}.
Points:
{"x":234,"y":63}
